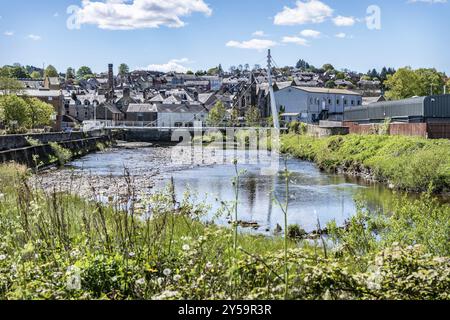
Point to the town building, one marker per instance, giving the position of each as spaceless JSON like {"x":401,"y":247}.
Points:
{"x":310,"y":105}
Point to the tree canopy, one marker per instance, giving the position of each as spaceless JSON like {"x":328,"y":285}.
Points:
{"x":406,"y":83}
{"x":70,"y":74}
{"x":253,"y":117}
{"x":50,"y":71}
{"x":124,"y":69}
{"x":9,"y":85}
{"x":84,"y":72}
{"x":24,"y":112}
{"x":217,"y":114}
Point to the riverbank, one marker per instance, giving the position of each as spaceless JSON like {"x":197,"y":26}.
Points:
{"x":59,"y":246}
{"x":402,"y":163}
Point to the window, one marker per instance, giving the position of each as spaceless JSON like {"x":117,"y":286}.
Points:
{"x":353,"y":103}
{"x":345,"y":101}
{"x":359,"y":102}
{"x":338,"y":101}
{"x":50,"y":99}
{"x":329,"y":101}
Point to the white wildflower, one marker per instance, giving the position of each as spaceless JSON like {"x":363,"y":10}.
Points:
{"x":2,"y":257}
{"x":209,"y":266}
{"x":167,"y":272}
{"x":140,"y":282}
{"x":176,"y":278}
{"x":75,"y":253}
{"x":132,"y":254}
{"x":166,"y":295}
{"x":186,"y":247}
{"x":2,"y":196}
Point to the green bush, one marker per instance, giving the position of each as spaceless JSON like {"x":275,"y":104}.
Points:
{"x":406,"y":163}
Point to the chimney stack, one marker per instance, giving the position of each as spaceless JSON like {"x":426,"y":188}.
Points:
{"x":111,"y":77}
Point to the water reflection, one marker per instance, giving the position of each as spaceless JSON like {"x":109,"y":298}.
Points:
{"x":313,"y":194}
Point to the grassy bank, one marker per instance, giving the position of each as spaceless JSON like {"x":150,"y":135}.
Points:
{"x":58,"y":246}
{"x":406,"y":163}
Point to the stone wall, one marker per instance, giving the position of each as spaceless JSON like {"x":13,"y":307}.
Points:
{"x":16,"y":141}
{"x":319,"y":132}
{"x":30,"y":155}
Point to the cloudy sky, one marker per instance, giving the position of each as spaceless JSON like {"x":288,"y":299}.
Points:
{"x":197,"y":34}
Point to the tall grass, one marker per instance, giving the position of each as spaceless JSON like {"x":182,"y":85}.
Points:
{"x":59,"y":246}
{"x":405,"y":163}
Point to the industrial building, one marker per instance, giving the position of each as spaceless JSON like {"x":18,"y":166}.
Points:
{"x":430,"y":109}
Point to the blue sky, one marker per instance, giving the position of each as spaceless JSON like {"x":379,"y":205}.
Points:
{"x":198,"y":34}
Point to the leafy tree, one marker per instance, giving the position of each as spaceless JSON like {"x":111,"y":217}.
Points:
{"x":302,"y":65}
{"x":430,"y":82}
{"x":18,"y":72}
{"x":124,"y":69}
{"x":83,"y":72}
{"x":15,"y":110}
{"x":328,"y":67}
{"x":70,"y":74}
{"x":406,"y":83}
{"x":253,"y":117}
{"x":235,"y":117}
{"x":9,"y":85}
{"x":190,"y":72}
{"x":35,"y":75}
{"x":330,"y":84}
{"x":213,"y":71}
{"x":403,"y":84}
{"x":38,"y":112}
{"x":340,"y":75}
{"x":448,"y":85}
{"x":217,"y":114}
{"x":50,"y":71}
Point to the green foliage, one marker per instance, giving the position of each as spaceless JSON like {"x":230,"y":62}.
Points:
{"x":124,"y":69}
{"x":253,"y":117}
{"x":298,"y":127}
{"x":10,"y":86}
{"x":296,"y":233}
{"x":406,"y":83}
{"x":84,"y":72}
{"x":15,"y":112}
{"x":328,"y":67}
{"x":62,"y":155}
{"x":70,"y":74}
{"x":58,"y":246}
{"x":217,"y":114}
{"x":39,"y":112}
{"x":24,"y":113}
{"x":35,"y":75}
{"x":407,"y":163}
{"x":51,"y":72}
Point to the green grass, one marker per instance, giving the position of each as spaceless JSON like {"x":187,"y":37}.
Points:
{"x":407,"y":163}
{"x":59,"y":246}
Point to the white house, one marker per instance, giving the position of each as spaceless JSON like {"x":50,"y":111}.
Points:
{"x":180,"y":115}
{"x":310,"y":105}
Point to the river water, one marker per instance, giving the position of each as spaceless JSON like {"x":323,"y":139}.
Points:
{"x":314,"y":195}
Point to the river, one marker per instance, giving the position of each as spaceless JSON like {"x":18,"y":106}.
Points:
{"x":314,"y":195}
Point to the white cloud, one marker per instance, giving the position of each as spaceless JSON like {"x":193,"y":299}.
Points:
{"x":341,"y":35}
{"x":176,"y":65}
{"x":342,"y":21}
{"x":9,"y":33}
{"x":259,"y":33}
{"x":311,"y":11}
{"x":296,"y":40}
{"x":56,"y":14}
{"x":256,"y":44}
{"x":34,"y":37}
{"x":138,"y":14}
{"x":311,"y":33}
